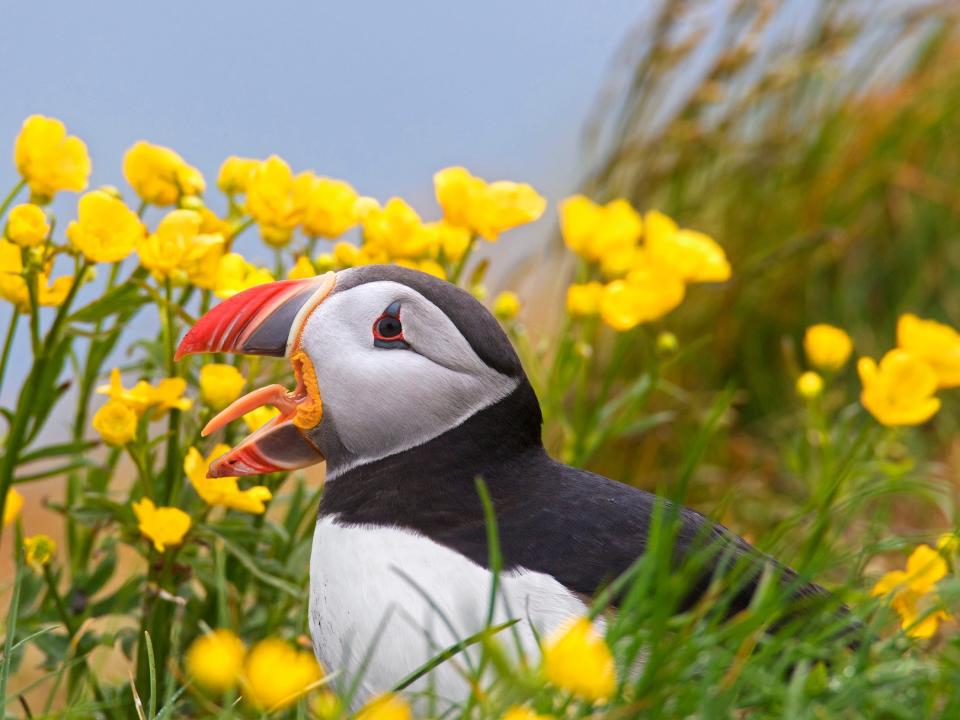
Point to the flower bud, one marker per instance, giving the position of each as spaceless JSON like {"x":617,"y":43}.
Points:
{"x":506,"y":305}
{"x":667,"y":343}
{"x":809,"y":385}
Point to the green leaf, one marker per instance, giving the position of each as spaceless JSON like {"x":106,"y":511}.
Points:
{"x":645,"y":424}
{"x":451,"y":651}
{"x":123,"y":298}
{"x":479,"y":272}
{"x":255,"y":568}
{"x":54,"y":471}
{"x":93,"y":582}
{"x":48,"y":451}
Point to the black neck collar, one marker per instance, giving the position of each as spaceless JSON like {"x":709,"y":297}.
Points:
{"x":434,"y":483}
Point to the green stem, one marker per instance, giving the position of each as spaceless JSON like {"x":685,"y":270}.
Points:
{"x":11,"y":624}
{"x":11,"y":196}
{"x":78,"y":535}
{"x":8,"y":342}
{"x":34,"y":293}
{"x":58,"y":601}
{"x":462,"y":262}
{"x":23,"y":414}
{"x":53,"y":336}
{"x":173,"y":439}
{"x":278,"y":263}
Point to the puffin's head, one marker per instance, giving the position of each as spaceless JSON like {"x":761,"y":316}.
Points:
{"x":384,"y":359}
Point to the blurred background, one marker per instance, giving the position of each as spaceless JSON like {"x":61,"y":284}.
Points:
{"x":816,"y":140}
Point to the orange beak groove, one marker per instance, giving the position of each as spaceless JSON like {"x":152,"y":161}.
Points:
{"x":266,"y":320}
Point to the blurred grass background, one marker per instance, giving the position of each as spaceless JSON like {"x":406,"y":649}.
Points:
{"x":817,"y":141}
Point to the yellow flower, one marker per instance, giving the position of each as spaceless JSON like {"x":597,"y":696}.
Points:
{"x":220,"y":384}
{"x":166,"y":396}
{"x":159,"y":175}
{"x":324,"y":262}
{"x":116,"y":423}
{"x":235,"y":174}
{"x":507,"y":205}
{"x":696,"y":257}
{"x":809,"y":385}
{"x":276,"y":674}
{"x":27,"y":225}
{"x":326,"y":705}
{"x":276,"y":199}
{"x":933,"y":342}
{"x":12,"y":507}
{"x":911,"y":591}
{"x":138,"y":398}
{"x":222,"y":491}
{"x":518,"y":712}
{"x":346,"y":254}
{"x":948,"y":543}
{"x":255,"y":419}
{"x":396,"y":230}
{"x":164,"y":526}
{"x":201,"y":261}
{"x":177,"y":250}
{"x":39,"y":549}
{"x":487,"y":209}
{"x":827,"y":347}
{"x":303,"y":268}
{"x":388,"y":706}
{"x":456,"y":190}
{"x":576,"y":658}
{"x":450,"y":240}
{"x":900,"y":391}
{"x":13,"y":285}
{"x":431,"y":267}
{"x":584,"y":299}
{"x":53,"y":294}
{"x":648,"y":293}
{"x":596,"y":231}
{"x":105,"y":230}
{"x":235,"y":274}
{"x":215,"y":660}
{"x":506,"y":305}
{"x":49,"y":159}
{"x":619,"y":261}
{"x":329,"y":207}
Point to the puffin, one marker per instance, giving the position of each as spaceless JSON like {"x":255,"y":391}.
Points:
{"x":410,"y":391}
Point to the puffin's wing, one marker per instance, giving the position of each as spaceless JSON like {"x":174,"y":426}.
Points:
{"x":585,"y":530}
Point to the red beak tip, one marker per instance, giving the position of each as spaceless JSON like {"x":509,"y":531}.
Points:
{"x":184,"y":348}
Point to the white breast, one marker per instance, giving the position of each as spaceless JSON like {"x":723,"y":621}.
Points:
{"x":369,"y":590}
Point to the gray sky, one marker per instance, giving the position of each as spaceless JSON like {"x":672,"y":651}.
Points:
{"x":380,"y":94}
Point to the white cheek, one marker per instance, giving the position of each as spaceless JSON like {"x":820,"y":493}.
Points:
{"x":384,"y":401}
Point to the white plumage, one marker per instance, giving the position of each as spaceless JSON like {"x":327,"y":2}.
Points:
{"x":364,"y":599}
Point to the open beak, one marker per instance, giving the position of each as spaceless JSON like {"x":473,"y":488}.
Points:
{"x":266,"y":320}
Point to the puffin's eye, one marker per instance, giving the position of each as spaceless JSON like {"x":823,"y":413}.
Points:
{"x":388,"y":330}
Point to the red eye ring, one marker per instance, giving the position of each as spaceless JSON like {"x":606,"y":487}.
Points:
{"x":388,"y":330}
